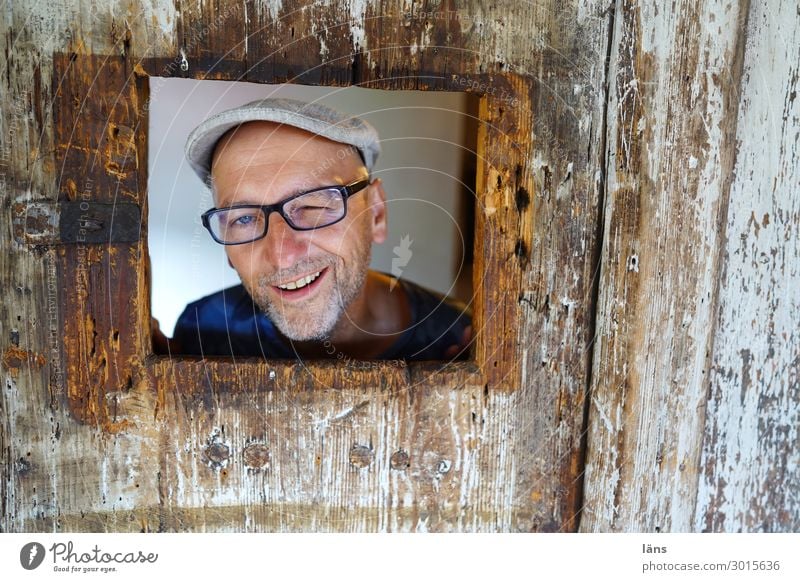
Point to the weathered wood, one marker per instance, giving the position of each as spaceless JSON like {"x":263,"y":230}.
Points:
{"x":750,"y":463}
{"x":327,"y":459}
{"x":559,"y":227}
{"x":674,"y":131}
{"x":97,"y":121}
{"x":367,"y":440}
{"x":78,"y":222}
{"x":50,"y":462}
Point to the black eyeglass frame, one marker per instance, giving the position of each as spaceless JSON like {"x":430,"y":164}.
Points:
{"x":346,"y":191}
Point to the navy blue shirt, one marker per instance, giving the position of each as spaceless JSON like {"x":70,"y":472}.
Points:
{"x":229,"y":323}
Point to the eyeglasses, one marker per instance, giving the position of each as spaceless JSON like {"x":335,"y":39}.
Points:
{"x":318,"y":208}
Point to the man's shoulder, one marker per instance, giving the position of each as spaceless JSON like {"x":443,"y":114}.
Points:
{"x":223,"y":302}
{"x":438,"y":323}
{"x":426,"y":302}
{"x":224,"y":323}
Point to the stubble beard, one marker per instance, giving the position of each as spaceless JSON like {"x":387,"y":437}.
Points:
{"x":317,"y":318}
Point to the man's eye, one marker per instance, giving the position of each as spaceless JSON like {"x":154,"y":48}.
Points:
{"x":242,"y":220}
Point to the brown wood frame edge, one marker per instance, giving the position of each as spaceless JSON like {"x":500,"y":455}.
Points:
{"x":255,"y":375}
{"x":90,"y":403}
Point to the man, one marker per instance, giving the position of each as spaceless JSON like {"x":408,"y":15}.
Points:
{"x":298,"y":212}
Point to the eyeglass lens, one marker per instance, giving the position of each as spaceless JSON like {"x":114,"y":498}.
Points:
{"x":306,"y":212}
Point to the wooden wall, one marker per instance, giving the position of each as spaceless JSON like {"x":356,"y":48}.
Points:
{"x":638,"y":223}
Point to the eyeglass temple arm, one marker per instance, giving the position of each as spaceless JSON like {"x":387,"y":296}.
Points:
{"x":356,"y":187}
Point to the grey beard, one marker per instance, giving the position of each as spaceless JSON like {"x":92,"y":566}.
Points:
{"x":315,"y":327}
{"x":317,"y":324}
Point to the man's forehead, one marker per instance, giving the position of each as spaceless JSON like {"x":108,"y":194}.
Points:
{"x":279,"y":139}
{"x":249,"y":160}
{"x":267,"y":145}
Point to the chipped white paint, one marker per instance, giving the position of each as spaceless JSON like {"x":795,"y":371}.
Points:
{"x":751,"y":452}
{"x":654,"y":329}
{"x":425,"y":37}
{"x":358,"y":14}
{"x":246,"y":18}
{"x":163,"y":14}
{"x":323,"y":48}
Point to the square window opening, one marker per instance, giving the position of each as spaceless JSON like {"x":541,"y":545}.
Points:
{"x":427,"y":168}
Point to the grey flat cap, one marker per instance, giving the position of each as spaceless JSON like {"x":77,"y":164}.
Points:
{"x":312,"y":117}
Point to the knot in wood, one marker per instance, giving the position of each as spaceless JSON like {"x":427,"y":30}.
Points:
{"x":256,"y":455}
{"x":360,"y":456}
{"x":399,"y":460}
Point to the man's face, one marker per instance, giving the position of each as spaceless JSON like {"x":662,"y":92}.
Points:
{"x":263,"y":163}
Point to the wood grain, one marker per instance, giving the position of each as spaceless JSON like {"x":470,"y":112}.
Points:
{"x":671,"y":281}
{"x":750,"y":463}
{"x":97,"y":122}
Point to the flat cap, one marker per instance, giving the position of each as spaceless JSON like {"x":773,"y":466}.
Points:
{"x":315,"y":118}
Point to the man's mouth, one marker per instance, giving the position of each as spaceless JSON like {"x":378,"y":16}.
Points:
{"x":302,"y":286}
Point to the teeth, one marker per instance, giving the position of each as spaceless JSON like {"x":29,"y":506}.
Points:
{"x":300,"y":282}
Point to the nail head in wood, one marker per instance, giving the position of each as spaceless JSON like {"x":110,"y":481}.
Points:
{"x":399,"y":460}
{"x":217,"y":454}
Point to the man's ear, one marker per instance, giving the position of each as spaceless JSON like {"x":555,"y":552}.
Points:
{"x":377,"y":201}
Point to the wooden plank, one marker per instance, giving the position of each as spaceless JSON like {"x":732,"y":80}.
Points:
{"x":212,"y":38}
{"x":299,"y":42}
{"x":751,"y":450}
{"x":672,"y":137}
{"x":330,"y":452}
{"x":51,"y":464}
{"x":559,"y":227}
{"x":97,"y":120}
{"x":29,"y":312}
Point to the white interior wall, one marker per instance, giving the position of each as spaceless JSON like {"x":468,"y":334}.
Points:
{"x":421,"y":166}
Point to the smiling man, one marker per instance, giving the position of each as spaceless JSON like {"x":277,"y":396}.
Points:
{"x":298,"y":212}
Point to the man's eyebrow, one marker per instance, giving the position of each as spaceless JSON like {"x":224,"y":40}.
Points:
{"x":292,"y":192}
{"x":306,"y":187}
{"x":239,"y":203}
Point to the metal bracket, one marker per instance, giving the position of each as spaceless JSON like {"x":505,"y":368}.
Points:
{"x":54,"y":223}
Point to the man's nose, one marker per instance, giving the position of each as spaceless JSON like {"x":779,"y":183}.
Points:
{"x":283,"y":246}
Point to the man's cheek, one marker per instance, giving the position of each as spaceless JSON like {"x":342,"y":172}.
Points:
{"x":247,"y":264}
{"x":235,"y":259}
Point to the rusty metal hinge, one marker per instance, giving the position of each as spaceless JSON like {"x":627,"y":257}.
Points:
{"x":53,"y":223}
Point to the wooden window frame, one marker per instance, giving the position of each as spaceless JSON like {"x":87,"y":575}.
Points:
{"x":101,"y":109}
